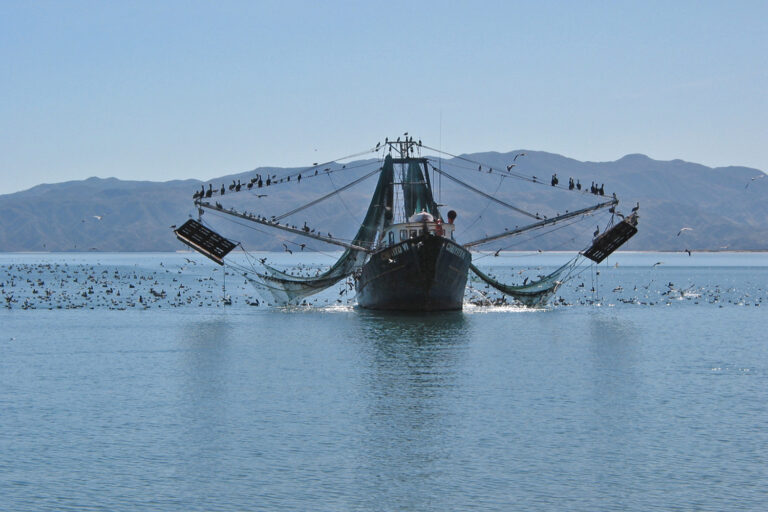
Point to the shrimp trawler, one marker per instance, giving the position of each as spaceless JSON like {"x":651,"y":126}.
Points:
{"x":405,"y":255}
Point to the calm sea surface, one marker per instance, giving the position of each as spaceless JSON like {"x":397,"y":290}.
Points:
{"x":125,"y":384}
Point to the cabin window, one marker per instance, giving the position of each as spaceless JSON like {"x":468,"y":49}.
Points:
{"x":391,"y":238}
{"x":403,"y":234}
{"x":413,"y":233}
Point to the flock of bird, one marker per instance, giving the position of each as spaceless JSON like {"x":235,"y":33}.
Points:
{"x":98,"y":287}
{"x":183,"y":282}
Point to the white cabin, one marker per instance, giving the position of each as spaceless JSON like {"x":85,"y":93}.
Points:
{"x":415,"y":226}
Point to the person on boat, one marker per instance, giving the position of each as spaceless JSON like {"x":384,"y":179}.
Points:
{"x":439,"y":227}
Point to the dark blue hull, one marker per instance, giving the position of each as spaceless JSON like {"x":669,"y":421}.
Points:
{"x":426,"y":273}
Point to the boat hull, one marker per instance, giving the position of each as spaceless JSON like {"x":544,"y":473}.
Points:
{"x":425,"y":273}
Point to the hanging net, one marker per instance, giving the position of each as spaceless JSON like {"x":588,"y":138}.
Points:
{"x":286,"y":288}
{"x":535,"y":293}
{"x":417,"y":195}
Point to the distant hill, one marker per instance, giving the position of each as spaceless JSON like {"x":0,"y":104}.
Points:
{"x":726,"y":207}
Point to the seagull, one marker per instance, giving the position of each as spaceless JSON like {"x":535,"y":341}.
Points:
{"x":98,"y":217}
{"x":755,"y":178}
{"x":684,"y":229}
{"x":657,"y":263}
{"x":497,"y":252}
{"x":510,"y":166}
{"x":302,"y":246}
{"x":597,"y":231}
{"x":636,"y":207}
{"x":517,"y":155}
{"x":287,"y":249}
{"x":688,"y":251}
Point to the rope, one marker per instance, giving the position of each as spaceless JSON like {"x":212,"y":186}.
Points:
{"x":331,"y":194}
{"x":488,"y":196}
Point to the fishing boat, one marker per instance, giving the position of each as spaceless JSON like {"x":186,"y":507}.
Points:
{"x":405,"y":254}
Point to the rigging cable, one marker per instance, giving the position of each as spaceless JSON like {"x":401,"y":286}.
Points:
{"x":331,"y":194}
{"x":488,"y":196}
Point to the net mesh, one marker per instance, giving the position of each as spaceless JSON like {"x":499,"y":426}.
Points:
{"x":417,"y":196}
{"x":286,"y":289}
{"x":535,"y":293}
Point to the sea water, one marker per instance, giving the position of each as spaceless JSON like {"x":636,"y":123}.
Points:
{"x":127,"y":384}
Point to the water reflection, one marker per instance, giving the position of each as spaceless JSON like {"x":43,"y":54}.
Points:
{"x":617,"y":398}
{"x":412,"y":363}
{"x":204,"y":396}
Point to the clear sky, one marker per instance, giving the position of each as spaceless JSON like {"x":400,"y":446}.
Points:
{"x":161,"y":90}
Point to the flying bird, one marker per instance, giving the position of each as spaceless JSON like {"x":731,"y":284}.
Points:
{"x":510,"y":166}
{"x":753,"y":179}
{"x":287,"y":249}
{"x":98,"y":217}
{"x":684,"y":229}
{"x":517,"y":155}
{"x":657,"y":263}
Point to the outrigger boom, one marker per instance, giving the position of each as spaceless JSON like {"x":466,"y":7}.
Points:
{"x":545,"y":222}
{"x":267,"y":222}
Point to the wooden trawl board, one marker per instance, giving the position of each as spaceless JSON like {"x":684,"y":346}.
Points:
{"x":205,"y":241}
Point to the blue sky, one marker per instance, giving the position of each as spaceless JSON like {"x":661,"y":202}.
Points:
{"x":174,"y":90}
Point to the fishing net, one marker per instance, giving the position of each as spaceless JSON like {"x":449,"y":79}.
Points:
{"x":535,"y":293}
{"x":417,"y":194}
{"x":286,"y":288}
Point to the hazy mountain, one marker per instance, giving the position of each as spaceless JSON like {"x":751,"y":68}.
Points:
{"x":726,"y":207}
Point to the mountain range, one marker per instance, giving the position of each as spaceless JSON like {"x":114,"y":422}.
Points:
{"x":726,"y":208}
